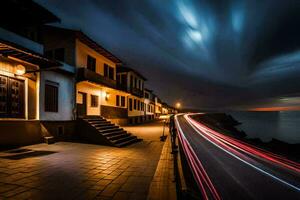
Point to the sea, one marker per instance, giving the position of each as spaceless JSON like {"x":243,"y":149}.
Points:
{"x":280,"y":125}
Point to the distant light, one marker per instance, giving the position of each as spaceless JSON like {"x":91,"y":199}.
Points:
{"x":195,"y":35}
{"x":20,"y":70}
{"x":178,"y":105}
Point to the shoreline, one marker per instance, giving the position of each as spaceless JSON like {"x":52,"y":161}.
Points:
{"x":227,"y":125}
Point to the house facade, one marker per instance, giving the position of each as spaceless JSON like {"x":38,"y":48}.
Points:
{"x":149,"y":102}
{"x":33,"y":88}
{"x":96,"y":86}
{"x":158,"y":107}
{"x":132,"y":82}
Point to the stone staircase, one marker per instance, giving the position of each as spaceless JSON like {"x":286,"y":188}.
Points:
{"x":102,"y":131}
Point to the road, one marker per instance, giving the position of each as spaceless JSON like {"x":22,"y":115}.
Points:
{"x":226,"y":168}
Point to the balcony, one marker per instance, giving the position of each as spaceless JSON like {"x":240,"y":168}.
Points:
{"x":122,"y":87}
{"x":137,"y":92}
{"x":84,"y":74}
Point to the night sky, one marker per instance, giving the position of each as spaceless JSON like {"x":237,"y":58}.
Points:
{"x":204,"y":53}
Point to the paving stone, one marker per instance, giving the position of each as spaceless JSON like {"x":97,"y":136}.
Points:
{"x":84,"y":171}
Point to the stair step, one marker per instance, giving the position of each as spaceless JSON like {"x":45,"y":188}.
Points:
{"x":49,"y":139}
{"x":109,"y":130}
{"x":108,"y":134}
{"x":106,"y":126}
{"x":128,"y":142}
{"x":96,"y":119}
{"x":119,"y":136}
{"x":121,"y":140}
{"x":99,"y":122}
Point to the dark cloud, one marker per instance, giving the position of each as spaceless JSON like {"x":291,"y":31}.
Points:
{"x":205,"y":53}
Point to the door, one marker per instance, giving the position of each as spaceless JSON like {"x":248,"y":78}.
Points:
{"x":11,"y":97}
{"x":81,"y":104}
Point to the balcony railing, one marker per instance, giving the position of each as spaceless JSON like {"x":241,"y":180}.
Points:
{"x":137,"y":92}
{"x":84,"y":74}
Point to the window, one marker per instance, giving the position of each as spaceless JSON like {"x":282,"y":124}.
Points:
{"x":119,"y":78}
{"x":51,"y":96}
{"x":138,"y":83}
{"x":94,"y":100}
{"x":131,"y":81}
{"x":105,"y":70}
{"x":59,"y":54}
{"x":146,"y":95}
{"x":117,"y":100}
{"x":91,"y":63}
{"x":130,"y":104}
{"x":122,"y":101}
{"x":109,"y":72}
{"x":134,"y":104}
{"x":135,"y":82}
{"x":124,"y":79}
{"x":138,"y":106}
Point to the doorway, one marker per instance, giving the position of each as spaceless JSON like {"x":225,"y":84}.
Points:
{"x":81,"y":104}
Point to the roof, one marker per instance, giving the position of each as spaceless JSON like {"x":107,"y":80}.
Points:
{"x":28,"y":12}
{"x":123,"y":68}
{"x":88,"y":41}
{"x":16,"y":51}
{"x":148,"y":90}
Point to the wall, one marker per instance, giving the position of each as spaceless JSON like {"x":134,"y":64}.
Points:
{"x":82,"y":51}
{"x":65,"y":96}
{"x":135,"y":112}
{"x":24,"y":132}
{"x":57,"y":38}
{"x":101,"y":92}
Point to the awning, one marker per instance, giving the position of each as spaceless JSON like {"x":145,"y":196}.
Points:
{"x":21,"y":53}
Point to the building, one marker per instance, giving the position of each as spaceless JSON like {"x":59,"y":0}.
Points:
{"x":158,"y":106}
{"x":149,"y":102}
{"x":96,"y":88}
{"x":165,"y":109}
{"x":131,"y":81}
{"x":33,"y":88}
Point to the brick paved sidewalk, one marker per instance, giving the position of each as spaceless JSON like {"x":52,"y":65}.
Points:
{"x":80,"y":171}
{"x":163,"y":186}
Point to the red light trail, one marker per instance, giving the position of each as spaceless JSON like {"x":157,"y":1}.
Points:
{"x":238,"y":149}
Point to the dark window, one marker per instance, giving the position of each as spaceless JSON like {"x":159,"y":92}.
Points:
{"x":51,"y":97}
{"x":111,"y":73}
{"x":146,"y":95}
{"x":105,"y":70}
{"x":117,"y":100}
{"x":59,"y":54}
{"x":131,"y":81}
{"x":119,"y":78}
{"x":124,"y":79}
{"x":122,"y":101}
{"x":130,"y":104}
{"x":135,"y":82}
{"x":91,"y":63}
{"x":138,"y":102}
{"x":94,"y":100}
{"x":134,"y":104}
